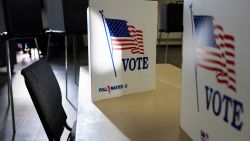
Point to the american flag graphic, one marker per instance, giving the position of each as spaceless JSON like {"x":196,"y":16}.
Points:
{"x":125,"y":36}
{"x":217,"y":53}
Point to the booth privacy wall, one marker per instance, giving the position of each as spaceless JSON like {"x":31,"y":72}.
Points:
{"x":215,"y":71}
{"x":122,"y":47}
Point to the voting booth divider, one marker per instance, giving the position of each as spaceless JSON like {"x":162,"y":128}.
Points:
{"x":122,"y":47}
{"x":215,"y":70}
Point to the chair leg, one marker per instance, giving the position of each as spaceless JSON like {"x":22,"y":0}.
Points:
{"x":66,"y":72}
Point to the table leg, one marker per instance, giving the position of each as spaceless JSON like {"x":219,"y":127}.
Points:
{"x":159,"y":43}
{"x":48,"y":46}
{"x":166,"y":51}
{"x":37,"y":47}
{"x":66,"y":72}
{"x":10,"y":92}
{"x":74,"y":57}
{"x":66,"y":65}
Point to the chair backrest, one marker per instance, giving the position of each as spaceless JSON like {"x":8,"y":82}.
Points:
{"x":46,"y":96}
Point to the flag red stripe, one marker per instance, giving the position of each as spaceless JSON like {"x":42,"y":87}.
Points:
{"x":221,"y":73}
{"x":229,"y":37}
{"x":227,"y":76}
{"x":139,"y":35}
{"x":232,"y":88}
{"x":124,"y":48}
{"x":220,"y":46}
{"x":209,"y":68}
{"x":219,"y":27}
{"x":231,"y":71}
{"x":224,"y":37}
{"x":139,"y":31}
{"x":124,"y":44}
{"x":206,"y":52}
{"x":229,"y":54}
{"x":135,"y":36}
{"x":137,"y":49}
{"x":229,"y":46}
{"x":230,"y":62}
{"x":222,"y":81}
{"x":137,"y":52}
{"x":130,"y":26}
{"x":135,"y":31}
{"x":232,"y":79}
{"x":123,"y":40}
{"x":212,"y":61}
{"x":219,"y":36}
{"x":228,"y":85}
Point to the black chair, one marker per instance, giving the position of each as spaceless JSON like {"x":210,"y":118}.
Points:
{"x":45,"y":93}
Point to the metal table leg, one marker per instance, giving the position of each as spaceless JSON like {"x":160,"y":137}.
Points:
{"x":10,"y":92}
{"x":48,"y":46}
{"x":166,"y":51}
{"x":66,"y":65}
{"x":160,"y":39}
{"x":37,"y":47}
{"x":74,"y":56}
{"x":66,"y":71}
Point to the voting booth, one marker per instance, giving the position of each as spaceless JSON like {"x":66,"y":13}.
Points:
{"x":215,"y":71}
{"x":122,"y":47}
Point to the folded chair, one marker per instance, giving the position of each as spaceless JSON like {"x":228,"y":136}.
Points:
{"x":45,"y":93}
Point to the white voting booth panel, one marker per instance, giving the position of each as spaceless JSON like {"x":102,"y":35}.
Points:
{"x":122,"y":47}
{"x":215,"y":72}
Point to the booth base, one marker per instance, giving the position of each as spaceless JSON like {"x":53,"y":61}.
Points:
{"x":148,"y":116}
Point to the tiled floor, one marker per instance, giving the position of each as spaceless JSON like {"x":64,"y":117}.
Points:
{"x":28,"y":125}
